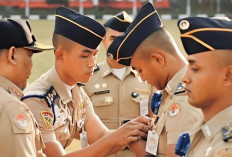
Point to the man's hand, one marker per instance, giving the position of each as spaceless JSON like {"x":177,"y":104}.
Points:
{"x":130,"y":132}
{"x":143,"y":119}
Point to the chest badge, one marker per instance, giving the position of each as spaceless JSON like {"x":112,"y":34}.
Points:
{"x":174,"y":110}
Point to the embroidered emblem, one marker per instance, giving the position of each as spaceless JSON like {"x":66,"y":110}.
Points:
{"x":97,"y":86}
{"x":104,"y":85}
{"x":227,"y":132}
{"x":50,"y":96}
{"x":48,"y":118}
{"x":180,"y":88}
{"x":174,"y":110}
{"x":225,"y":152}
{"x":21,"y":121}
{"x":184,"y":24}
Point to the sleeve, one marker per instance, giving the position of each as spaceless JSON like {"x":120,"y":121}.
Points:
{"x":17,"y":131}
{"x":181,"y":117}
{"x":87,"y":104}
{"x":44,"y":117}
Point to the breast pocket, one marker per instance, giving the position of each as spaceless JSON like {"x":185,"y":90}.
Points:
{"x":103,"y":104}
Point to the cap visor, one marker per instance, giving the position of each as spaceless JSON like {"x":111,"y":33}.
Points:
{"x":37,"y":47}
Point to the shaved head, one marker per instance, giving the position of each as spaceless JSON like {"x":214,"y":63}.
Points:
{"x":160,"y":40}
{"x":61,"y":42}
{"x":223,"y":57}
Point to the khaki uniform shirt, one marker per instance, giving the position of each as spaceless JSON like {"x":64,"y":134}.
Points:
{"x":208,"y":140}
{"x":114,"y":103}
{"x":19,"y":133}
{"x":175,"y":114}
{"x":111,"y":97}
{"x":58,"y":122}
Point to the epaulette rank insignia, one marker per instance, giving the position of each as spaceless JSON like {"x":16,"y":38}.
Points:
{"x":97,"y":68}
{"x":227,"y":132}
{"x":51,"y":96}
{"x":180,"y":88}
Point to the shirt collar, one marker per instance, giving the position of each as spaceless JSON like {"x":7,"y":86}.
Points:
{"x":107,"y":70}
{"x":10,"y":87}
{"x":59,"y":86}
{"x":214,"y":125}
{"x":175,"y":81}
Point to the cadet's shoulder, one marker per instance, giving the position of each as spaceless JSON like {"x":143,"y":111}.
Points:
{"x":6,"y":97}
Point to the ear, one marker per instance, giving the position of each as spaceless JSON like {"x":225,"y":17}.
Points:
{"x":59,"y":55}
{"x":158,"y":59}
{"x":11,"y":55}
{"x":104,"y":42}
{"x":228,"y":76}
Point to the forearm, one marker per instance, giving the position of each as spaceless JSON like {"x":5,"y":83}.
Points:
{"x":101,"y":148}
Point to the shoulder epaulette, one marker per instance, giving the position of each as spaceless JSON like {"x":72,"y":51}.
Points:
{"x":97,"y":68}
{"x":51,"y":96}
{"x":180,"y":89}
{"x":227,"y":132}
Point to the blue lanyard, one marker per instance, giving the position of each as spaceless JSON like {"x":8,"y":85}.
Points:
{"x":155,"y":102}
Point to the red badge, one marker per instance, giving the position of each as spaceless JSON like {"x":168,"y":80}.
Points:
{"x":21,"y":121}
{"x":174,"y":110}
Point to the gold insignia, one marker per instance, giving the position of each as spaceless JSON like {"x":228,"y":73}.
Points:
{"x":225,"y":152}
{"x":97,"y":86}
{"x":108,"y":99}
{"x":104,"y":85}
{"x":174,"y":110}
{"x":184,"y":24}
{"x":48,"y":118}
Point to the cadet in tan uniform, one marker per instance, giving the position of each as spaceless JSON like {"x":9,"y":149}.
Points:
{"x":149,"y":48}
{"x":19,"y":133}
{"x":115,"y":90}
{"x":61,"y":107}
{"x":209,"y":83}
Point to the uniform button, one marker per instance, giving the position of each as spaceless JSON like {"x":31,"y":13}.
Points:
{"x":134,"y":95}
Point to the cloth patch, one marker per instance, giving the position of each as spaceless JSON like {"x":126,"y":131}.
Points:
{"x":21,"y":120}
{"x":174,"y":110}
{"x":48,"y":118}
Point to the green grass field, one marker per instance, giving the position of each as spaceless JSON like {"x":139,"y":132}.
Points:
{"x":43,"y":30}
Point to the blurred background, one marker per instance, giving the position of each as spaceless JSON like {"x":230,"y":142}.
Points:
{"x":40,"y":13}
{"x":99,"y":8}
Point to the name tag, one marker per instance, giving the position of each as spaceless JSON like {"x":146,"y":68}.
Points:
{"x":152,"y":143}
{"x":102,"y":92}
{"x":143,"y":106}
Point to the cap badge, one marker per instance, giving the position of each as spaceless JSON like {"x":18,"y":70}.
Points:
{"x":109,"y":55}
{"x":184,"y":24}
